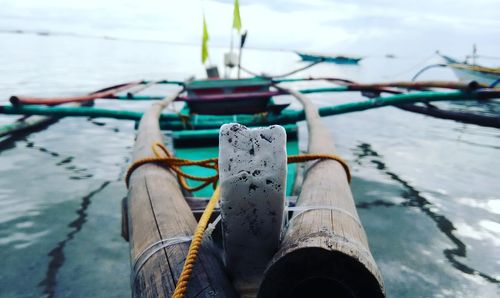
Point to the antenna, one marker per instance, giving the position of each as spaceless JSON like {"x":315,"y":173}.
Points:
{"x":474,"y":54}
{"x":242,"y":43}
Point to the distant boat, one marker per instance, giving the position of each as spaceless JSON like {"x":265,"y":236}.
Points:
{"x":327,"y":58}
{"x":473,"y":72}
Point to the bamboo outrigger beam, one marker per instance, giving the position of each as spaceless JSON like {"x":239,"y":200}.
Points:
{"x":36,"y":121}
{"x":160,"y":224}
{"x":107,"y":93}
{"x":325,"y":249}
{"x":173,"y":122}
{"x":419,"y":85}
{"x":29,"y":122}
{"x":464,"y":117}
{"x":134,"y":87}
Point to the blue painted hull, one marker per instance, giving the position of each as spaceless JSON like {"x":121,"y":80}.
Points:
{"x":331,"y":59}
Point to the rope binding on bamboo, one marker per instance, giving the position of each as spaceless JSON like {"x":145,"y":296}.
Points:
{"x":163,"y":157}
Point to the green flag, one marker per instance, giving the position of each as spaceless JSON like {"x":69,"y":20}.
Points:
{"x":204,"y":42}
{"x":236,"y":16}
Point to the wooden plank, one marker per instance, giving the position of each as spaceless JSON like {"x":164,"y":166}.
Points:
{"x":157,"y":211}
{"x":325,"y":249}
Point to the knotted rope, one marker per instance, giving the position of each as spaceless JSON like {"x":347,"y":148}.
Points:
{"x":163,"y":157}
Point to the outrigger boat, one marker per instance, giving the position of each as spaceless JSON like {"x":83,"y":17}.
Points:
{"x":340,"y":59}
{"x":262,"y":248}
{"x":472,"y":72}
{"x":275,"y":223}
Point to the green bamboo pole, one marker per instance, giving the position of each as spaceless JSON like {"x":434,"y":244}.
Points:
{"x":70,"y":111}
{"x":378,"y":102}
{"x":214,"y":133}
{"x":305,"y":91}
{"x":346,"y":88}
{"x":27,"y":123}
{"x":172,"y":121}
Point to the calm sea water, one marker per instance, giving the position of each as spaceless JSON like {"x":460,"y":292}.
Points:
{"x":427,"y":190}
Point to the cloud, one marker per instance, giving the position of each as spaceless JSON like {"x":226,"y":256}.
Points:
{"x":278,"y":5}
{"x":355,"y":26}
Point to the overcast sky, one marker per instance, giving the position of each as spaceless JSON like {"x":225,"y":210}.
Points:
{"x":361,"y":27}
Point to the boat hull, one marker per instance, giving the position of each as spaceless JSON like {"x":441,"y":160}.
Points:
{"x":331,"y":59}
{"x":472,"y":75}
{"x":199,"y":93}
{"x":467,"y":72}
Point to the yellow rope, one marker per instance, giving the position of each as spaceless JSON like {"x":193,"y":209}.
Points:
{"x":165,"y":158}
{"x":185,"y":120}
{"x":181,"y":287}
{"x":311,"y":157}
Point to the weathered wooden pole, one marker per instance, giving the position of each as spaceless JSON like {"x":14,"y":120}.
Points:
{"x":325,"y":251}
{"x":160,"y":224}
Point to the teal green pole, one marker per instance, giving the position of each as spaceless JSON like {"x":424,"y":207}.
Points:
{"x":378,"y":102}
{"x":172,"y":121}
{"x":305,"y":91}
{"x":290,"y":80}
{"x":70,"y":111}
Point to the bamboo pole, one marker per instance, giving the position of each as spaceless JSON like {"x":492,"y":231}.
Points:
{"x":419,"y":85}
{"x":325,"y":250}
{"x":30,"y":122}
{"x":158,"y":213}
{"x":33,"y":122}
{"x":172,"y":121}
{"x":37,"y":121}
{"x":139,"y":88}
{"x":464,"y":117}
{"x":108,"y":93}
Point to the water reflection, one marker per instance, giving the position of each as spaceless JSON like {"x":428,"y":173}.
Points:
{"x":57,"y":253}
{"x":413,"y":198}
{"x":79,"y":173}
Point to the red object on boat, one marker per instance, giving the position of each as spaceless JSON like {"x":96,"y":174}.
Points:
{"x":228,"y":96}
{"x":106,"y":93}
